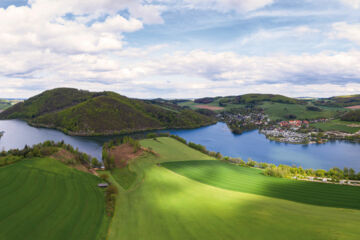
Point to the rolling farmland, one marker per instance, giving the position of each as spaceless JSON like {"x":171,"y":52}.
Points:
{"x":166,"y":204}
{"x":44,"y":199}
{"x":249,"y":180}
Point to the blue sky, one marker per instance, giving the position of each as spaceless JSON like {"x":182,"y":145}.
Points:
{"x":181,"y":48}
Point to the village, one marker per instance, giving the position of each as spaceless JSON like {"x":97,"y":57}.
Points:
{"x":292,"y":131}
{"x":240,"y":122}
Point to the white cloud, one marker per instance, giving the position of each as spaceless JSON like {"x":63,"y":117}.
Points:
{"x":183,"y":74}
{"x":352,"y":3}
{"x":229,"y":5}
{"x":118,"y":24}
{"x":42,"y":49}
{"x":279,"y":33}
{"x":43,"y":25}
{"x":343,"y":30}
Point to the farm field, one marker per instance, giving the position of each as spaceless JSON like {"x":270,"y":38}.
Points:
{"x":278,"y":111}
{"x":338,"y":125}
{"x":164,"y":204}
{"x":250,"y":180}
{"x":4,"y":103}
{"x":275,"y":110}
{"x":44,"y":199}
{"x":215,"y":103}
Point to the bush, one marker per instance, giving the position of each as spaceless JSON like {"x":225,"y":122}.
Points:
{"x":151,"y":135}
{"x":95,"y":163}
{"x":198,"y":147}
{"x":251,"y":163}
{"x":263,"y":165}
{"x":104,"y":177}
{"x":112,"y":190}
{"x":166,"y":134}
{"x":180,"y":139}
{"x":274,"y":171}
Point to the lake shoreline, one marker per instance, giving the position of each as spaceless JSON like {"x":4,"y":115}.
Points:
{"x":217,"y":137}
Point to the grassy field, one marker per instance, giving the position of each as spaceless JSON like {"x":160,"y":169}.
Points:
{"x":278,"y":111}
{"x":250,"y":180}
{"x":162,"y":204}
{"x":215,"y":103}
{"x":338,"y":125}
{"x":44,"y":199}
{"x":4,"y":104}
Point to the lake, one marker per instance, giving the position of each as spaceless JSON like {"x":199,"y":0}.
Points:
{"x":217,"y":138}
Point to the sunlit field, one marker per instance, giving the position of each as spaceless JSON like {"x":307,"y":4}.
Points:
{"x":166,"y":204}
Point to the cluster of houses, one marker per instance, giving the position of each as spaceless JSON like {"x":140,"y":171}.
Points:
{"x":294,"y":123}
{"x":281,"y":135}
{"x":300,"y":123}
{"x":258,"y":119}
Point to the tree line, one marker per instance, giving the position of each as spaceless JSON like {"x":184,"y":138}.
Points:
{"x":284,"y":171}
{"x":46,"y":149}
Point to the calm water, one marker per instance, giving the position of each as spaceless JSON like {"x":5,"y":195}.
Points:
{"x":252,"y":144}
{"x":19,"y":133}
{"x":216,"y":138}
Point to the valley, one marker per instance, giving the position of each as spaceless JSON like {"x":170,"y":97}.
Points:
{"x":154,"y":185}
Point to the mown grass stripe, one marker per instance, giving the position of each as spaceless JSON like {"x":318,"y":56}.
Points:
{"x":44,"y":199}
{"x":248,"y":180}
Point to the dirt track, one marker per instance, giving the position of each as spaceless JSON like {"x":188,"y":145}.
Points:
{"x":213,"y":108}
{"x":354,"y":107}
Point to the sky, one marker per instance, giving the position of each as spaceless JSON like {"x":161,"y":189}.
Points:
{"x":180,"y":48}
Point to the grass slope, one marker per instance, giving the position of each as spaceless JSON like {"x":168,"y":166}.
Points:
{"x":166,"y":205}
{"x":278,"y":107}
{"x":4,"y":104}
{"x":338,"y":125}
{"x":250,"y":180}
{"x":44,"y":199}
{"x":340,"y":101}
{"x":280,"y":111}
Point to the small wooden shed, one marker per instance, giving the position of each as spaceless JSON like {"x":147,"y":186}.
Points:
{"x":103,"y":185}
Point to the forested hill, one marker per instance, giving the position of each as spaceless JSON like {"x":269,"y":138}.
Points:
{"x":78,"y":112}
{"x":249,"y":99}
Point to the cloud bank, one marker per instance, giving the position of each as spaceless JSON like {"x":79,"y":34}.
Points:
{"x":83,"y":44}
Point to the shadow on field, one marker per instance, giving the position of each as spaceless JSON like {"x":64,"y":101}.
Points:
{"x":173,"y":206}
{"x":248,"y":180}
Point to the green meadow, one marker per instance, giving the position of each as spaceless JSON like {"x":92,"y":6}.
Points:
{"x":42,"y":198}
{"x":279,"y":111}
{"x":202,"y":199}
{"x":250,"y":180}
{"x":338,"y":125}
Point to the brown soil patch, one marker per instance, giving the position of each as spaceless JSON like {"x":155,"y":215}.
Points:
{"x":123,"y":154}
{"x":68,"y":158}
{"x":354,"y":107}
{"x":212,"y":108}
{"x":354,"y":125}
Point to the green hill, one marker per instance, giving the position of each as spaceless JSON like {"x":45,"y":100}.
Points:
{"x":339,"y":101}
{"x":79,"y":112}
{"x":257,"y":98}
{"x":353,"y":116}
{"x":209,"y":200}
{"x":43,"y":199}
